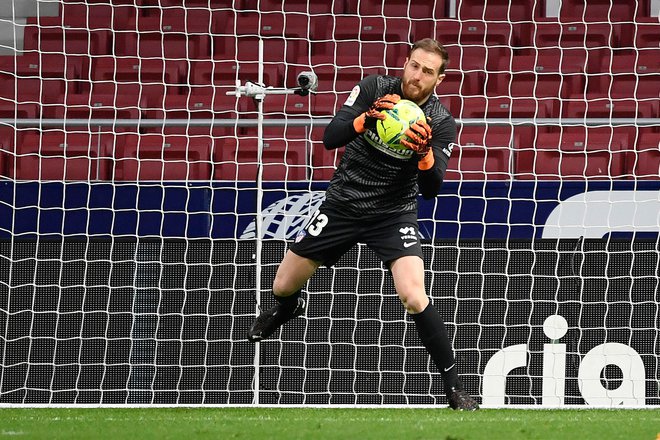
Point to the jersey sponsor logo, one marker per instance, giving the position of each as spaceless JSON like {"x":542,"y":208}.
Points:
{"x":375,"y":141}
{"x":353,"y":96}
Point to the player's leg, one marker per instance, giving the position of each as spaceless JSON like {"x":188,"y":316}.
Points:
{"x":324,"y":240}
{"x":408,"y":275}
{"x":292,"y":274}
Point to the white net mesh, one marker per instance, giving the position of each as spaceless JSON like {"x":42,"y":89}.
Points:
{"x":129,"y":196}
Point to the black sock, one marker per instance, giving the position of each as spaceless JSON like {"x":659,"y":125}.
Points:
{"x":290,"y":301}
{"x":433,"y":334}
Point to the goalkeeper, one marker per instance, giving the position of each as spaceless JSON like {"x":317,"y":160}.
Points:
{"x":372,"y":199}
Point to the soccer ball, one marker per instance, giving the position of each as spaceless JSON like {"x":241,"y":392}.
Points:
{"x":393,"y":128}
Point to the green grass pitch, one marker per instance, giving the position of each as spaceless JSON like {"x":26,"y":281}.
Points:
{"x":326,"y":423}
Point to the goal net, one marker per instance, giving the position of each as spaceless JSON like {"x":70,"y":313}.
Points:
{"x":144,"y":210}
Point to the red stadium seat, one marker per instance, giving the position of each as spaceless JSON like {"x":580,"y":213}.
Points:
{"x":481,"y":154}
{"x":474,"y":33}
{"x":46,"y":35}
{"x":599,"y":106}
{"x":282,"y":158}
{"x":93,"y":16}
{"x":504,"y":107}
{"x":96,"y":106}
{"x":162,"y":43}
{"x":157,"y":157}
{"x":225,"y":74}
{"x":573,"y":153}
{"x":37,"y":77}
{"x":600,"y":10}
{"x":56,"y":155}
{"x":570,"y":35}
{"x":634,"y":75}
{"x":398,"y":8}
{"x":150,"y":79}
{"x":646,"y":164}
{"x":497,"y":10}
{"x":534,"y":84}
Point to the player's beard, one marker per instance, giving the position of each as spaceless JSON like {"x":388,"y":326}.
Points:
{"x":415,"y":92}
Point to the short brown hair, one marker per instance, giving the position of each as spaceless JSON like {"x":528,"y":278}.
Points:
{"x":431,"y":45}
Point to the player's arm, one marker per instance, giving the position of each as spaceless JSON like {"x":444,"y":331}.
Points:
{"x":433,"y":146}
{"x":360,"y":112}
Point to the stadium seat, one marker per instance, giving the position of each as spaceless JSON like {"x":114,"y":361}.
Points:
{"x":534,"y":84}
{"x":179,"y":19}
{"x":96,"y":106}
{"x":569,"y":35}
{"x":600,"y":10}
{"x":56,"y":155}
{"x":9,"y":137}
{"x":225,"y":73}
{"x":37,"y":77}
{"x":574,"y":153}
{"x":497,"y":10}
{"x":646,"y":164}
{"x":46,"y":35}
{"x":646,"y":35}
{"x":281,"y":106}
{"x":462,"y":83}
{"x":600,"y":106}
{"x":303,"y":6}
{"x":503,"y":107}
{"x":10,"y":109}
{"x":158,"y":157}
{"x":397,"y":9}
{"x":628,"y":75}
{"x":282,"y":158}
{"x":162,"y":43}
{"x":147,"y":77}
{"x":93,"y":16}
{"x":481,"y":154}
{"x":475,"y":33}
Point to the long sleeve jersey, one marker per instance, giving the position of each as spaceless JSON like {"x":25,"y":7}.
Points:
{"x":371,"y":178}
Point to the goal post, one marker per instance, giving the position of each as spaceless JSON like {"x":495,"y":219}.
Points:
{"x":155,"y":161}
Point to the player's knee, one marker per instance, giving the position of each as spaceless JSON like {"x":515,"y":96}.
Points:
{"x":415,"y":303}
{"x":282,"y":287}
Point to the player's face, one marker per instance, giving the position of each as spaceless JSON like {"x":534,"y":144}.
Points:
{"x":420,"y":75}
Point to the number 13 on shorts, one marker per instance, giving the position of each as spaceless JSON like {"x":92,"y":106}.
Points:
{"x":316,"y":224}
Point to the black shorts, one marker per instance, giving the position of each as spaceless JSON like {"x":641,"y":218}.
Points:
{"x":328,"y":235}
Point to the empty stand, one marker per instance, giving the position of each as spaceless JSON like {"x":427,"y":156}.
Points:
{"x":481,"y":153}
{"x":46,"y":35}
{"x":56,"y":155}
{"x":628,"y":75}
{"x":158,"y":157}
{"x":96,"y":15}
{"x":35,"y":77}
{"x":573,"y":153}
{"x":96,"y":106}
{"x":646,"y":163}
{"x":151,"y":79}
{"x":602,"y":10}
{"x":155,"y":38}
{"x":497,"y":10}
{"x":503,"y":107}
{"x":284,"y":157}
{"x":398,"y":8}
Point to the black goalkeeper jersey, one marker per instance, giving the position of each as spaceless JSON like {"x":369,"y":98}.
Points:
{"x":372,"y":179}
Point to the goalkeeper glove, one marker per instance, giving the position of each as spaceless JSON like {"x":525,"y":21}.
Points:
{"x":367,"y":120}
{"x":418,"y":139}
